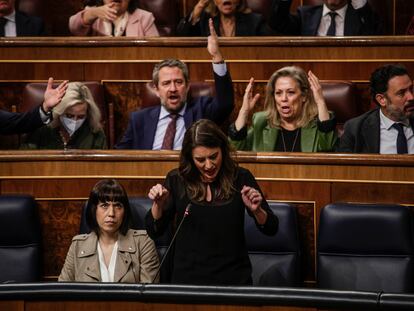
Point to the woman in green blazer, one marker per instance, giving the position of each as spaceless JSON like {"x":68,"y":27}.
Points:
{"x":295,"y":118}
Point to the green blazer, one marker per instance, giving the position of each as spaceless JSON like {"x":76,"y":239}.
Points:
{"x":47,"y":137}
{"x":262,"y":137}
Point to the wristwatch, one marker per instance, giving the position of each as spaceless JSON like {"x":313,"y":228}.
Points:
{"x":48,"y":114}
{"x":43,"y":110}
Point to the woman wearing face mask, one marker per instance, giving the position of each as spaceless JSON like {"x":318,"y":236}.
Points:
{"x":76,"y":123}
{"x":230,"y":18}
{"x":295,"y":119}
{"x":113,"y":18}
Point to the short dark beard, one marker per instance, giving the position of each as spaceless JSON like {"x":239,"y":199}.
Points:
{"x":173,"y":111}
{"x":394,"y":114}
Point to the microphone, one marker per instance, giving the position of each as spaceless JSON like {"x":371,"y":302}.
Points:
{"x":186,"y":213}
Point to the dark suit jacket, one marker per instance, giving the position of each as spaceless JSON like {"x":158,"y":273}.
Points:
{"x":142,"y":125}
{"x":29,"y":26}
{"x":362,"y":134}
{"x":250,"y":24}
{"x":14,"y":123}
{"x":360,"y":22}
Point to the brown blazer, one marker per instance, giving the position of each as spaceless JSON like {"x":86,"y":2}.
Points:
{"x":136,"y":262}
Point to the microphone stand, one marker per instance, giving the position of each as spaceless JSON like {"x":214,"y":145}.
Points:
{"x":186,"y":213}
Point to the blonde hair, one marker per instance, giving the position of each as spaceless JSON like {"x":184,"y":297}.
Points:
{"x":309,"y":108}
{"x":77,"y":93}
{"x":213,"y":11}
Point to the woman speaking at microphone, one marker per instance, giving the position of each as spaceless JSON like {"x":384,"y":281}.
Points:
{"x":210,"y":247}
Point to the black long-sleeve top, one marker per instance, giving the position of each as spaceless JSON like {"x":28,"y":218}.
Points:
{"x":210,"y":248}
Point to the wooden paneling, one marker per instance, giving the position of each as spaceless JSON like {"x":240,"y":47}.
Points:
{"x":17,"y":305}
{"x":125,"y":59}
{"x":61,"y":181}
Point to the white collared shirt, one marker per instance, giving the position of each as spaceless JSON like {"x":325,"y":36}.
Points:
{"x":220,"y":69}
{"x":163,"y":121}
{"x":46,"y":119}
{"x":10,"y":27}
{"x":389,"y":134}
{"x":357,"y":4}
{"x":326,"y":21}
{"x":107,"y":273}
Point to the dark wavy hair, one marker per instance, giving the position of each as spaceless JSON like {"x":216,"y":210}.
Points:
{"x":381,"y":76}
{"x":104,"y":191}
{"x":132,"y":6}
{"x":207,"y":134}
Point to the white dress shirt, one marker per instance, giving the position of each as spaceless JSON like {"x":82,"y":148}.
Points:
{"x":10,"y":27}
{"x":326,"y":21}
{"x":339,"y":19}
{"x":163,"y":121}
{"x":107,"y":273}
{"x":389,"y":134}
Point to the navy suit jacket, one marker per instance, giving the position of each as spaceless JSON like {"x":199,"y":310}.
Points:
{"x":14,"y":123}
{"x":362,"y":134}
{"x":142,"y":125}
{"x":29,"y":26}
{"x":360,"y":22}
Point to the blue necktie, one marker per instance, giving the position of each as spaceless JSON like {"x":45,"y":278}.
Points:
{"x":401,"y":139}
{"x":332,"y":26}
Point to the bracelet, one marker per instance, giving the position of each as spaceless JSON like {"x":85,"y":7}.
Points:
{"x":220,"y":62}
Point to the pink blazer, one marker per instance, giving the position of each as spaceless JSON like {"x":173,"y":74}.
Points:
{"x":140,"y":24}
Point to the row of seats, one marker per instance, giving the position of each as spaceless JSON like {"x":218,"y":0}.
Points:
{"x":340,"y":96}
{"x":167,"y":12}
{"x":364,"y":247}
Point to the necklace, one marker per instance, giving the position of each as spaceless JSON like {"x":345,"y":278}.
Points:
{"x":294,"y":141}
{"x":65,"y":139}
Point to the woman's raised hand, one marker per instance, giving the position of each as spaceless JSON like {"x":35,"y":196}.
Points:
{"x":213,"y":44}
{"x":252,"y":198}
{"x":323,"y":113}
{"x":249,"y":101}
{"x":53,"y":96}
{"x":198,"y":9}
{"x":159,"y":194}
{"x":105,"y":12}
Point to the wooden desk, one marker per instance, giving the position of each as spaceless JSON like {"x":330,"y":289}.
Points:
{"x":125,"y":65}
{"x":60,"y":181}
{"x":113,"y":296}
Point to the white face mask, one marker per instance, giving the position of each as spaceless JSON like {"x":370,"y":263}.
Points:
{"x":71,"y":125}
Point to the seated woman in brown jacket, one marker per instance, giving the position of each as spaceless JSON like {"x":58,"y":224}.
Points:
{"x":112,"y":252}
